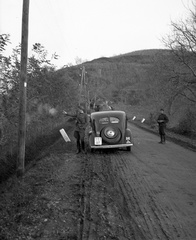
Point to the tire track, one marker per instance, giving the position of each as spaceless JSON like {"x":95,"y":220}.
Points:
{"x":105,"y":214}
{"x":155,"y":217}
{"x":119,"y":202}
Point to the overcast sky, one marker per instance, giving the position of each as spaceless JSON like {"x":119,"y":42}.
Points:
{"x":91,"y":29}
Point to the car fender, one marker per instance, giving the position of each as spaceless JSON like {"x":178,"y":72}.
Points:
{"x":128,"y":135}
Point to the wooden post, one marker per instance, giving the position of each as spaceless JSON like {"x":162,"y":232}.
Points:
{"x":83,"y":94}
{"x":81,"y":87}
{"x":85,"y":91}
{"x":23,"y":90}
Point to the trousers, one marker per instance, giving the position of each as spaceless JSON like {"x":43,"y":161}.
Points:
{"x":162,"y":132}
{"x":79,"y":135}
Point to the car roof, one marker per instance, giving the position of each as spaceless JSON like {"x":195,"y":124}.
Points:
{"x":112,"y":113}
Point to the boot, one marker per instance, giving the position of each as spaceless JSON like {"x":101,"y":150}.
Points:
{"x":161,"y":139}
{"x":78,"y":147}
{"x":83,"y":146}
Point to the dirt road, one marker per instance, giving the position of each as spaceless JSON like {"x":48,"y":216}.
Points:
{"x":167,"y":178}
{"x":148,"y":194}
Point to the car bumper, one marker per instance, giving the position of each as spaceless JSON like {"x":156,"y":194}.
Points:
{"x":113,"y":146}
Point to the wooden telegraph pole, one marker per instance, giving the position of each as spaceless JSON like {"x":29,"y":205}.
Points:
{"x":23,"y":90}
{"x":83,"y":96}
{"x":81,"y":86}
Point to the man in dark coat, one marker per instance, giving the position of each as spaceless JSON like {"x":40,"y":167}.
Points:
{"x":162,"y":121}
{"x":81,"y":124}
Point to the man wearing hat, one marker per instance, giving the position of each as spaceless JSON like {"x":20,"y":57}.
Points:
{"x":81,"y":124}
{"x":162,"y":121}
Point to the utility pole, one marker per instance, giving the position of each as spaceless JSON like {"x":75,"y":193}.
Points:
{"x":81,"y":85}
{"x":23,"y":90}
{"x":83,"y":90}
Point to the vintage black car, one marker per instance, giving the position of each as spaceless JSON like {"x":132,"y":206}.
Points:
{"x":109,"y":130}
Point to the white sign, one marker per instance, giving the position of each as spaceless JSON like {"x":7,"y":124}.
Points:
{"x":64,"y":135}
{"x":143,"y":120}
{"x":134,"y":118}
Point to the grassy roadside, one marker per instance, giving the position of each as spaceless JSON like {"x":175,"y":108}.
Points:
{"x":33,"y":150}
{"x":43,"y":204}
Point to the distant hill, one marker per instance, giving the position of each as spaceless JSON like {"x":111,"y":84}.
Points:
{"x":142,"y":79}
{"x":134,"y":78}
{"x":128,"y":77}
{"x":132,"y":56}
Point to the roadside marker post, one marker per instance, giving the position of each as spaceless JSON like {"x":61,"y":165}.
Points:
{"x":64,"y":135}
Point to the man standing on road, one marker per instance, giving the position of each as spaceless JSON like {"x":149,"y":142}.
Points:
{"x":162,"y":121}
{"x":81,"y":124}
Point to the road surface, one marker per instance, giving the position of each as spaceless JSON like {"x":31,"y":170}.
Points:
{"x":147,"y":194}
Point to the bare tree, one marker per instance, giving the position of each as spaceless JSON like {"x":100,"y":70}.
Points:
{"x":182,"y":42}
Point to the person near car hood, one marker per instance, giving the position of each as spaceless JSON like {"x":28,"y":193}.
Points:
{"x":81,"y":124}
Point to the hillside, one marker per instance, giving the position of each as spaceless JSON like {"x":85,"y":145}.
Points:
{"x":130,"y":77}
{"x":147,"y":80}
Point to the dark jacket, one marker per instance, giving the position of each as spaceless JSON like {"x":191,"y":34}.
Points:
{"x":162,"y":119}
{"x":81,"y":120}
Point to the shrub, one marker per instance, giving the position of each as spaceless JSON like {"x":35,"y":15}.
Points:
{"x":152,"y":119}
{"x":187,"y":124}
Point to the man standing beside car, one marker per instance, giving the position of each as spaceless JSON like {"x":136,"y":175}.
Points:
{"x":81,"y":124}
{"x":162,"y":121}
